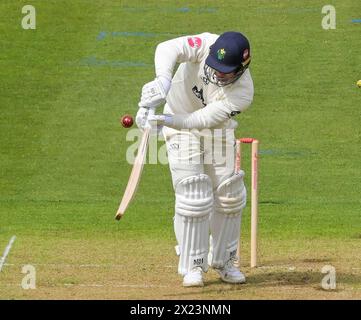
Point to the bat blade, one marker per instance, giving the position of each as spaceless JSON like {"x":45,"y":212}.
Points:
{"x":134,"y":177}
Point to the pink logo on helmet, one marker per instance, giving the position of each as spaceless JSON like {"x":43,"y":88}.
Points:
{"x":245,"y":54}
{"x":194,"y":42}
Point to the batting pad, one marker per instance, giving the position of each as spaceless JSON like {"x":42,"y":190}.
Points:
{"x":194,"y":203}
{"x":230,"y":199}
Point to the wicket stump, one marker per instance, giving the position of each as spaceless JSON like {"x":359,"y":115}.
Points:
{"x":254,"y":195}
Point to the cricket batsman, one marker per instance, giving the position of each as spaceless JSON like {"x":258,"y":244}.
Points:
{"x":211,"y":86}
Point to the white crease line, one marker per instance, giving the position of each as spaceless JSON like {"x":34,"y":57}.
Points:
{"x":6,"y":252}
{"x":291,"y":268}
{"x":114,"y":286}
{"x":63,"y":265}
{"x":96,"y":285}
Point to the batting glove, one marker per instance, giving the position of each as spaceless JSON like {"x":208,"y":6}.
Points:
{"x":159,"y":120}
{"x":141,"y":118}
{"x":154,"y":92}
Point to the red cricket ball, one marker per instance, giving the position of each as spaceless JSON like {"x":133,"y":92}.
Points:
{"x":127,"y":121}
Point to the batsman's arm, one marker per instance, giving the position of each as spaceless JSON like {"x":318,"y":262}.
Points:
{"x":183,"y":49}
{"x":210,"y":116}
{"x":167,"y":54}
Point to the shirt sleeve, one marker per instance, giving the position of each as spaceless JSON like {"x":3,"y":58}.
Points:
{"x":182,"y":49}
{"x":211,"y":116}
{"x":235,"y":101}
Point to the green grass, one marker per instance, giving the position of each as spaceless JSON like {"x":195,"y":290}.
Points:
{"x":64,"y":86}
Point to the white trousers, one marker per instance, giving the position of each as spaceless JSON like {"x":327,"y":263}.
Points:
{"x":194,"y":152}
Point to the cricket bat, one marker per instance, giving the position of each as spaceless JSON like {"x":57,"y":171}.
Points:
{"x":137,"y":169}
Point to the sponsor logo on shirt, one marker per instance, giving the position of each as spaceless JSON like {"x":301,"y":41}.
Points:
{"x":194,"y":42}
{"x":199,"y":94}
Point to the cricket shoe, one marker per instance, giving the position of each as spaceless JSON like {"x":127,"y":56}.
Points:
{"x":193,"y":278}
{"x":229,"y":273}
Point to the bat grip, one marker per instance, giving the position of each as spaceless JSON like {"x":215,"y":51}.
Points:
{"x":151,"y":112}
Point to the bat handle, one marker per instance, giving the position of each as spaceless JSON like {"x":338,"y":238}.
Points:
{"x":151,"y":112}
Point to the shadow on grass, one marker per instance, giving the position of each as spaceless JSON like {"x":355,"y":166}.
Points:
{"x":279,"y":280}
